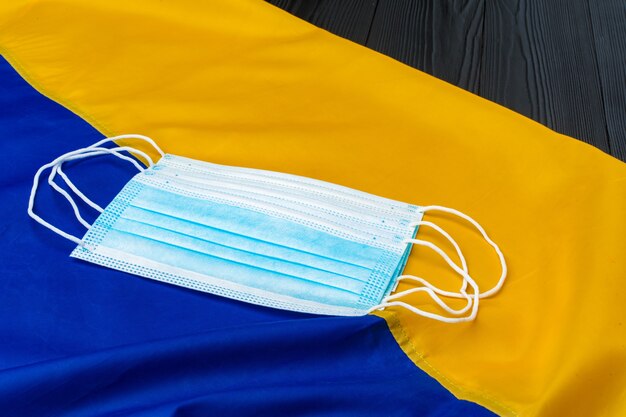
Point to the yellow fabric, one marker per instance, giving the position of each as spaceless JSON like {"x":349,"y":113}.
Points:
{"x":241,"y":82}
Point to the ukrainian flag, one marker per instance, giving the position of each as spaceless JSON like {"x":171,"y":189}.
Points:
{"x":242,"y":83}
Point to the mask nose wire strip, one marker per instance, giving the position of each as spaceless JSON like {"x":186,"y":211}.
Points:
{"x":78,"y":154}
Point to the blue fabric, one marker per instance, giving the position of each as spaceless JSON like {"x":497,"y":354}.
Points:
{"x":81,"y":340}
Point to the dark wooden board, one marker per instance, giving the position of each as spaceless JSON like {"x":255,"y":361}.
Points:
{"x":539,"y":60}
{"x":560,"y":62}
{"x":442,"y":38}
{"x":608,"y":18}
{"x":350,"y":19}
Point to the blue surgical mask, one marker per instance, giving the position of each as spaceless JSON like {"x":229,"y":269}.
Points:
{"x":262,"y":237}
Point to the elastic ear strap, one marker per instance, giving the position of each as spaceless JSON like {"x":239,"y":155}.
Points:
{"x":92,"y":150}
{"x":422,"y":313}
{"x":88,"y":153}
{"x":466,"y":277}
{"x":482,"y":231}
{"x":67,"y":197}
{"x":447,"y":294}
{"x":31,"y":203}
{"x":76,"y":191}
{"x":473,"y":301}
{"x":433,"y":291}
{"x":130,"y":136}
{"x":449,"y":238}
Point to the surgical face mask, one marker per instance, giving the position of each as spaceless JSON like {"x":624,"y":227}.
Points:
{"x":262,"y":237}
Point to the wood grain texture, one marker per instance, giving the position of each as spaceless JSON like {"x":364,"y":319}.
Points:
{"x":442,"y":38}
{"x":350,"y":19}
{"x":608,"y":19}
{"x":539,"y":60}
{"x":559,"y":62}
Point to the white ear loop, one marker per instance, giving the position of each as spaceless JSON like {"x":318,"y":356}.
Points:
{"x":88,"y":153}
{"x":92,"y":150}
{"x":389,"y":302}
{"x":449,"y":238}
{"x":482,"y":231}
{"x":432,"y":290}
{"x":129,"y":136}
{"x":67,"y":197}
{"x":76,"y":191}
{"x":114,"y":151}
